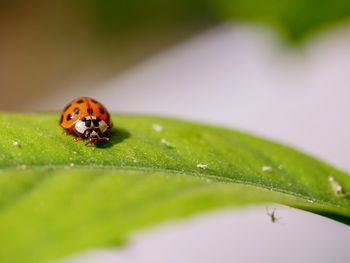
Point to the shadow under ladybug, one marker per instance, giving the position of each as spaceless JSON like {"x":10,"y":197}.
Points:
{"x":117,"y":135}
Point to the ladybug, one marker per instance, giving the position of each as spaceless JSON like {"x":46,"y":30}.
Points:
{"x":86,"y":118}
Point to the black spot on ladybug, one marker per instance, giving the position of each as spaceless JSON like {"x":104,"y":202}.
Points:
{"x":90,"y":111}
{"x":88,"y":123}
{"x":61,"y":119}
{"x":80,"y":101}
{"x":66,"y":108}
{"x":98,"y":119}
{"x":83,"y":119}
{"x":76,"y":111}
{"x":101,"y":110}
{"x":69,"y":117}
{"x":94,"y":101}
{"x":96,"y":122}
{"x":108,"y":117}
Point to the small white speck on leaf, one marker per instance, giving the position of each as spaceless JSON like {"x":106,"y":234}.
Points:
{"x":266,"y":168}
{"x":71,"y":164}
{"x":16,"y":144}
{"x":74,"y":152}
{"x":310,"y":201}
{"x":336,"y":187}
{"x":157,"y":127}
{"x":202,"y":166}
{"x":22,"y":167}
{"x":135,"y":161}
{"x":163,"y":141}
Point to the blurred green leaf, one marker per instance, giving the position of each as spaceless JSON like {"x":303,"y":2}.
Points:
{"x":59,"y":197}
{"x":294,"y":18}
{"x":119,"y":18}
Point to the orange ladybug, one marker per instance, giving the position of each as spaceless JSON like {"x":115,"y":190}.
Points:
{"x":86,"y":118}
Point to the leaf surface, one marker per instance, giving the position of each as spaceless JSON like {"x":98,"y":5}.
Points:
{"x":59,"y":197}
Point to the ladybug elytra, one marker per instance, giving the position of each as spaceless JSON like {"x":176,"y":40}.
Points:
{"x":86,"y":118}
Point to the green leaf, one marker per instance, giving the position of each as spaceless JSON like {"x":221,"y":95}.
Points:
{"x":294,"y":18}
{"x":59,"y":197}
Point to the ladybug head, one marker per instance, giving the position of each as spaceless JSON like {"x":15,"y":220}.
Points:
{"x":94,"y":135}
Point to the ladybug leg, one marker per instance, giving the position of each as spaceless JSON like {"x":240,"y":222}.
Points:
{"x":88,"y":141}
{"x":76,"y":138}
{"x":103,"y":139}
{"x":69,"y":132}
